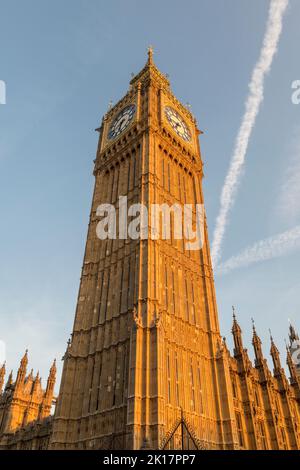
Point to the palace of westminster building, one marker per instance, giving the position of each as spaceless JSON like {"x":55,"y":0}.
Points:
{"x":146,"y":366}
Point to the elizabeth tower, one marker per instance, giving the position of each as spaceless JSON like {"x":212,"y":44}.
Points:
{"x":145,"y":348}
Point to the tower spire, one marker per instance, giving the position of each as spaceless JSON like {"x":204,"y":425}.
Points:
{"x":22,"y":369}
{"x":36,"y":382}
{"x":51,"y":379}
{"x":237,"y":334}
{"x":275,"y":354}
{"x":150,"y":55}
{"x":256,"y":341}
{"x":2,"y":375}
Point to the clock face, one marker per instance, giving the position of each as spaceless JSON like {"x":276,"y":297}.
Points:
{"x":178,"y":123}
{"x":122,"y":121}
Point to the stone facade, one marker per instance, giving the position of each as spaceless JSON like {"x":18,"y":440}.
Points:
{"x":146,"y":347}
{"x":25,"y":408}
{"x":146,"y":366}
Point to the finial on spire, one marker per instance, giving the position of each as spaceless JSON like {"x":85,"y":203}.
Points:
{"x":53,"y":368}
{"x":150,"y":54}
{"x":253,"y":325}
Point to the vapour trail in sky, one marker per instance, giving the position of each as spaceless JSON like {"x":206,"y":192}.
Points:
{"x":252,"y":106}
{"x":269,"y":248}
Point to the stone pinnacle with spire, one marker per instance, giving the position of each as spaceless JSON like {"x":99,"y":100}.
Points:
{"x":256,"y":342}
{"x":237,"y":334}
{"x":22,"y":369}
{"x":275,"y":354}
{"x":51,"y":379}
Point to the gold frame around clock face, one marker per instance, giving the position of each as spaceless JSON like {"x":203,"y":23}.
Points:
{"x":121,"y":121}
{"x":178,"y":124}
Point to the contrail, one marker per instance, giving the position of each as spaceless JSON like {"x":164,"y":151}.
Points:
{"x":272,"y":247}
{"x":252,"y":106}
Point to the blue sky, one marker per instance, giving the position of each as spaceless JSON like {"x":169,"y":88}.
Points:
{"x":62,"y":63}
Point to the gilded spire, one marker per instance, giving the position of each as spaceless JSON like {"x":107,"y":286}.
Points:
{"x":149,"y":71}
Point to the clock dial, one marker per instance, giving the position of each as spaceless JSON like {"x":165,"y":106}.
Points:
{"x":178,"y":123}
{"x":122,"y":121}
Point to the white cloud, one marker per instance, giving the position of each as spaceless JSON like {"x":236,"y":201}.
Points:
{"x":272,"y":247}
{"x":253,"y":102}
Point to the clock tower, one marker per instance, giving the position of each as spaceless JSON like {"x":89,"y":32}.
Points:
{"x":144,"y":366}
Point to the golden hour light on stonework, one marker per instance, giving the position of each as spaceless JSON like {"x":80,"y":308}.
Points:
{"x":145,"y":364}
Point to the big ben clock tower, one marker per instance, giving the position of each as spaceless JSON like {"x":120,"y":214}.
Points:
{"x":144,"y":366}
